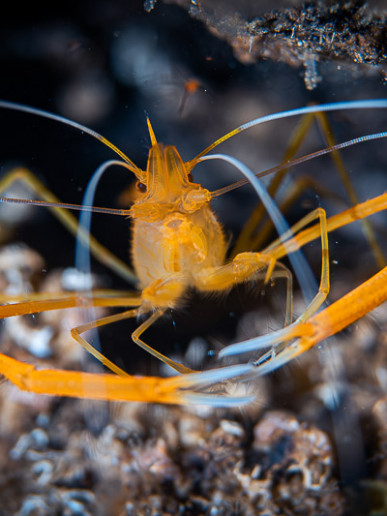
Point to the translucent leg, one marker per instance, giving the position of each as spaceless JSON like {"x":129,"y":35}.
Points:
{"x":69,"y":300}
{"x":270,"y":253}
{"x":124,"y":387}
{"x":136,"y":338}
{"x":340,"y":167}
{"x":351,"y":307}
{"x":247,"y":267}
{"x":250,"y":230}
{"x":334,"y":318}
{"x":76,"y":334}
{"x":67,"y":219}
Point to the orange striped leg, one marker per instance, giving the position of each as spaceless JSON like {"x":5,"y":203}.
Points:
{"x":322,"y":229}
{"x":108,"y":387}
{"x":356,"y":213}
{"x":277,"y":250}
{"x":296,"y":189}
{"x":351,"y":307}
{"x":43,"y":302}
{"x":88,"y":300}
{"x":72,"y":300}
{"x":252,"y":239}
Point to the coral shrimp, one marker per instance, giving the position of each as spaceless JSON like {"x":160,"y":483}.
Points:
{"x":178,"y":244}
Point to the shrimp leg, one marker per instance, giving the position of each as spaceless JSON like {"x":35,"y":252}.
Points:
{"x":121,"y":387}
{"x":76,"y":334}
{"x":70,"y":222}
{"x":246,"y":266}
{"x":108,"y":387}
{"x":87,"y":300}
{"x":347,"y":310}
{"x":310,"y":330}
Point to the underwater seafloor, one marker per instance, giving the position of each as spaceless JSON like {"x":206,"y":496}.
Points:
{"x":314,"y":440}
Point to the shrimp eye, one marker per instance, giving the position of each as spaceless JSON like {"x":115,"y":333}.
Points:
{"x":190,"y":177}
{"x":141,"y":187}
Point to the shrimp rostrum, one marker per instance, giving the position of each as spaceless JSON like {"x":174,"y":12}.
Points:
{"x":178,"y":244}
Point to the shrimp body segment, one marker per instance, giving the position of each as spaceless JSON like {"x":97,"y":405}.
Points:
{"x":175,"y":233}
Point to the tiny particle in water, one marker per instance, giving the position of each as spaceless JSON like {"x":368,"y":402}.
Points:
{"x":149,"y":5}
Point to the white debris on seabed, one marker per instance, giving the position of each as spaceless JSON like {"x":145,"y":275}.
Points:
{"x":74,"y":279}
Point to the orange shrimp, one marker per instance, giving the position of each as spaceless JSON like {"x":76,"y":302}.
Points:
{"x":177,"y":244}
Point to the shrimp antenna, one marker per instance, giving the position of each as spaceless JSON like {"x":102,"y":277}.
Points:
{"x":67,"y":206}
{"x":46,"y":114}
{"x":334,"y":106}
{"x":298,"y":161}
{"x":82,"y":248}
{"x":82,"y":254}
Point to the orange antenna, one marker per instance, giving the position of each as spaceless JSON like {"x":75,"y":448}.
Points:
{"x":67,"y":206}
{"x":82,"y":128}
{"x":356,"y":104}
{"x":298,"y":161}
{"x":151,"y":132}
